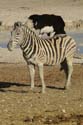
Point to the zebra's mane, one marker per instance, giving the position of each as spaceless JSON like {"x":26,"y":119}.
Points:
{"x":27,"y":30}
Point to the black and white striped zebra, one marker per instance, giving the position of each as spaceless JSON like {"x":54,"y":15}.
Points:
{"x":40,"y":52}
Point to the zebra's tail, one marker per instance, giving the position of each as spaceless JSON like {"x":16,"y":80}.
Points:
{"x":78,"y":58}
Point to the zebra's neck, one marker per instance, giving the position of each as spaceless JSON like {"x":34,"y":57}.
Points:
{"x":29,"y":42}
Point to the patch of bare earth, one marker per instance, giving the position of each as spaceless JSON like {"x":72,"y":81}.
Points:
{"x":20,"y":106}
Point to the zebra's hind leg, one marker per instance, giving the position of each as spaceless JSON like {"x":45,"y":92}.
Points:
{"x":41,"y":73}
{"x":66,"y":65}
{"x":32,"y":74}
{"x":70,"y":70}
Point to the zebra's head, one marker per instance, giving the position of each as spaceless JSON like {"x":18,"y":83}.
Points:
{"x":17,"y":36}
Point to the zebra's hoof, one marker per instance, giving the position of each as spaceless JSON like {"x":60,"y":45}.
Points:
{"x":67,"y":87}
{"x":43,"y":91}
{"x":32,"y":88}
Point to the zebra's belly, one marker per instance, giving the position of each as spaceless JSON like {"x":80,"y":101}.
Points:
{"x":35,"y":60}
{"x":42,"y":60}
{"x":50,"y":63}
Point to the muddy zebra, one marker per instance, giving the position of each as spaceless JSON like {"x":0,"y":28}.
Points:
{"x":40,"y":52}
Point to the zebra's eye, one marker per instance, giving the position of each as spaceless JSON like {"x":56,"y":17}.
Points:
{"x":11,"y":33}
{"x":18,"y":33}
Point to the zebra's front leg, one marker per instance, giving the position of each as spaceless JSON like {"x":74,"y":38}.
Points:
{"x":70,"y":70}
{"x":32,"y":74}
{"x":41,"y":72}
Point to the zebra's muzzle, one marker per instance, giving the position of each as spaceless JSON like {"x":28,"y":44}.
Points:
{"x":9,"y":46}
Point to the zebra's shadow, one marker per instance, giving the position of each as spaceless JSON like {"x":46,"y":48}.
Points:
{"x":57,"y":88}
{"x":54,"y":87}
{"x":5,"y":85}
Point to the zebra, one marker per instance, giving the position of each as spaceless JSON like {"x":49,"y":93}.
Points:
{"x":58,"y":50}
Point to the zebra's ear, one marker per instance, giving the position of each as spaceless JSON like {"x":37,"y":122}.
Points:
{"x":17,"y":24}
{"x":27,"y":30}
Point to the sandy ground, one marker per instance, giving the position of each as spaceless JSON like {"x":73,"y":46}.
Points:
{"x":18,"y":104}
{"x":70,"y":10}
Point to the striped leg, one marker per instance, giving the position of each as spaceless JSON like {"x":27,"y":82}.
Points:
{"x":42,"y":77}
{"x":70,"y":70}
{"x":32,"y":74}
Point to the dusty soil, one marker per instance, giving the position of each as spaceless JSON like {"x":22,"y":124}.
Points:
{"x":20,"y":106}
{"x":19,"y":10}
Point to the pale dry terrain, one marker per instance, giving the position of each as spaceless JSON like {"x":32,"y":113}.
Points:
{"x":14,"y":10}
{"x":18,"y":104}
